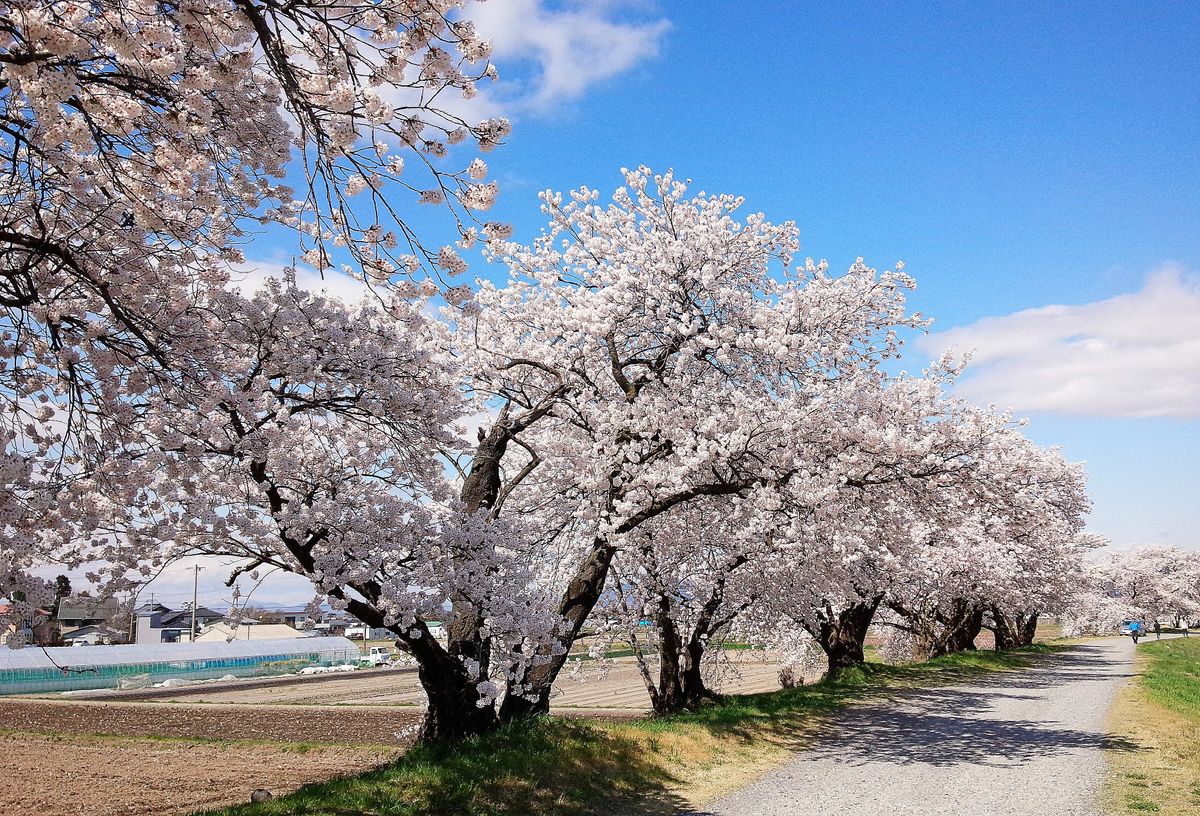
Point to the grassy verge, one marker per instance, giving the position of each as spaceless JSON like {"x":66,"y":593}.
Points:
{"x":1160,"y":711}
{"x":562,"y":767}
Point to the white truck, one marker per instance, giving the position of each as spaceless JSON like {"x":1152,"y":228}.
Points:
{"x":377,"y":656}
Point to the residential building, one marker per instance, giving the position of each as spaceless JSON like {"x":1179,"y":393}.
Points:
{"x":93,"y":635}
{"x":75,"y":611}
{"x":160,"y":624}
{"x":248,"y":630}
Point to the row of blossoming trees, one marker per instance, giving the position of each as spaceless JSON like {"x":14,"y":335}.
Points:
{"x":680,"y":422}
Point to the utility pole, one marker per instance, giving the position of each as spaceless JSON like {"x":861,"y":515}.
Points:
{"x":195,"y":594}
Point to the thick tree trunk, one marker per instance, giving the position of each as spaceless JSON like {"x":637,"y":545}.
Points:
{"x":841,"y":635}
{"x":480,"y":491}
{"x":680,"y":675}
{"x":943,"y":633}
{"x":1015,"y":631}
{"x":453,"y":712}
{"x":695,"y":691}
{"x":1029,"y":629}
{"x":669,"y":697}
{"x":532,"y":696}
{"x":962,"y":632}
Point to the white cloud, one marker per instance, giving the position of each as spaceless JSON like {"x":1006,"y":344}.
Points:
{"x":252,"y":275}
{"x":571,"y":47}
{"x":172,"y":586}
{"x":1133,"y":355}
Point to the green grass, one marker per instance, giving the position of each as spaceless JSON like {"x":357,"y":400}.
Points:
{"x":1160,"y":714}
{"x":569,"y":767}
{"x":552,"y":766}
{"x":1172,"y":678}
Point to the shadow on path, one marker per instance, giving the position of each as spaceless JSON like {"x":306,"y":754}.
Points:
{"x":955,"y":726}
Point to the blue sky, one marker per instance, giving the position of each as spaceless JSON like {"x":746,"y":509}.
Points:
{"x":1014,"y":156}
{"x":1037,"y":169}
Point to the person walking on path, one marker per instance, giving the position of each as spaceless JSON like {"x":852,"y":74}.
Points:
{"x":1157,"y":631}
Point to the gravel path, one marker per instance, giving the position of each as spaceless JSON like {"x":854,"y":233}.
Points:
{"x":1028,"y":744}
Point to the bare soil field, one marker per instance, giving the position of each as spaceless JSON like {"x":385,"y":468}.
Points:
{"x":169,"y":752}
{"x":88,"y":776}
{"x":292,"y":724}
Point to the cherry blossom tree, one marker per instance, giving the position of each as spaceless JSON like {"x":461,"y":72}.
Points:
{"x":315,"y":450}
{"x":1014,"y":548}
{"x":143,"y":145}
{"x":929,"y":478}
{"x":692,"y":572}
{"x":651,"y":353}
{"x":1154,"y":581}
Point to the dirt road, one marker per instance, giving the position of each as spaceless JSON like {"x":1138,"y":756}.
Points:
{"x":1017,"y":744}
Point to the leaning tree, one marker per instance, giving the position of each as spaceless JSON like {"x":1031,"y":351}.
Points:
{"x":142,"y":144}
{"x":648,"y":354}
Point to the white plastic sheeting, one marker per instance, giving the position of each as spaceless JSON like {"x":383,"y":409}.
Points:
{"x":63,"y":668}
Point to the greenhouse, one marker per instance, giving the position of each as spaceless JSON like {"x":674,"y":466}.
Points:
{"x":35,"y":669}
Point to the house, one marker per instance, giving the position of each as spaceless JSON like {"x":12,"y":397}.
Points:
{"x":294,"y":618}
{"x":335,"y":623}
{"x":160,"y":624}
{"x":34,"y":627}
{"x":248,"y":630}
{"x":360,"y":631}
{"x":76,"y":611}
{"x":93,"y":635}
{"x":182,"y":619}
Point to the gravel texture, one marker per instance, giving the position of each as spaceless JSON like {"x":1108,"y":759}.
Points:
{"x":1028,"y":743}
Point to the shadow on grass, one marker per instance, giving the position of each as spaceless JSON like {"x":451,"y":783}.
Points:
{"x":551,"y":766}
{"x":565,"y":767}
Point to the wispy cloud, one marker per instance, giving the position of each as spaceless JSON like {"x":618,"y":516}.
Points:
{"x":549,"y":53}
{"x":1133,"y":355}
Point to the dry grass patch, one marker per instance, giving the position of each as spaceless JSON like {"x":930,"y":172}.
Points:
{"x":1164,"y":776}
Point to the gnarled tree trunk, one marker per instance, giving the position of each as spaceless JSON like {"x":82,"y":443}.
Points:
{"x":1014,"y":631}
{"x":681,"y":685}
{"x":530,"y":695}
{"x":963,"y":628}
{"x":943,"y":632}
{"x":453,"y":712}
{"x":841,"y":634}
